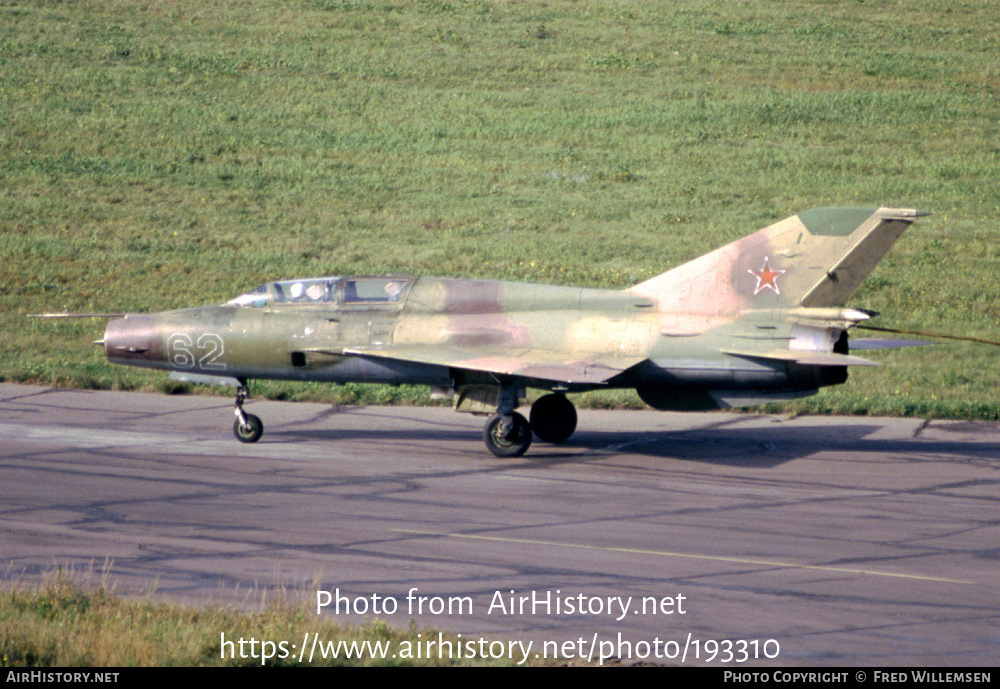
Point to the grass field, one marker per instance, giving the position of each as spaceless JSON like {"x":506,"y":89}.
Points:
{"x":74,"y":621}
{"x":158,"y":154}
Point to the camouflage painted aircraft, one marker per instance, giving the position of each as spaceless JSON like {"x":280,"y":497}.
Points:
{"x":758,"y":320}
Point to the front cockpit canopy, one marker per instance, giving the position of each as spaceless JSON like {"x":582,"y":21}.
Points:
{"x":328,"y":290}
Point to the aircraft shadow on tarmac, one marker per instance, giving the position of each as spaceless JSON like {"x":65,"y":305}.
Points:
{"x":738,"y":447}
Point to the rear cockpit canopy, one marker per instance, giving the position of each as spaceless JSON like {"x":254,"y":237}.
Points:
{"x":307,"y":291}
{"x":328,"y":290}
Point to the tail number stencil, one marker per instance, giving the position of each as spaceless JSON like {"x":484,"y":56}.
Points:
{"x":184,"y":353}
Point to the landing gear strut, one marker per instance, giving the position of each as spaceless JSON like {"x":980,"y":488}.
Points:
{"x":247,"y":428}
{"x":507,"y":433}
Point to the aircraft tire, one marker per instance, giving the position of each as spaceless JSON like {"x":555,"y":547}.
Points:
{"x":515,"y":443}
{"x":553,"y":418}
{"x":251,"y":432}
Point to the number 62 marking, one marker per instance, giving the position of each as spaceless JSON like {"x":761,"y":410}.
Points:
{"x":184,"y":353}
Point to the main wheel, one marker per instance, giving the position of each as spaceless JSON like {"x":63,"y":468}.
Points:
{"x":507,"y":436}
{"x":553,"y":418}
{"x":251,"y":432}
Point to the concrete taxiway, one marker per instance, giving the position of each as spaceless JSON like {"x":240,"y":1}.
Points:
{"x":803,"y":541}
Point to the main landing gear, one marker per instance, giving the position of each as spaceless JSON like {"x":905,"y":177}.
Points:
{"x":247,"y":428}
{"x":553,"y":418}
{"x":508,"y":434}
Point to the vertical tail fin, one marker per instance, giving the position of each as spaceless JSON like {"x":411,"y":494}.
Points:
{"x":817,"y":258}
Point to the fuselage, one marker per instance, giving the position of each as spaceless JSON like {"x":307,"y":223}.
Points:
{"x":761,"y":319}
{"x":439,"y":332}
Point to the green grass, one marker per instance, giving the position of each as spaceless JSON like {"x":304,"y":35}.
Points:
{"x":159,"y":155}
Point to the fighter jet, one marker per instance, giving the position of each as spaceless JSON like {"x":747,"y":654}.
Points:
{"x":758,"y":320}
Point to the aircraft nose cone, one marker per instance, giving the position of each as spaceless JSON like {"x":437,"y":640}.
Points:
{"x":132,"y":339}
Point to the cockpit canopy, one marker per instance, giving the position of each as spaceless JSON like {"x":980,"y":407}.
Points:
{"x":328,"y":290}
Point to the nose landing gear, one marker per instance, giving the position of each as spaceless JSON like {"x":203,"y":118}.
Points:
{"x":247,"y":428}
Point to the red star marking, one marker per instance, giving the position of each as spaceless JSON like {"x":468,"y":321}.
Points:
{"x":766,"y":278}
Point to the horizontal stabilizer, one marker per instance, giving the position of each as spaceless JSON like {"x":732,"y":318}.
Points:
{"x":806,"y":357}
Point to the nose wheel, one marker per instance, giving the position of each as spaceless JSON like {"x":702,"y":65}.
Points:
{"x":248,"y":427}
{"x":250,"y":430}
